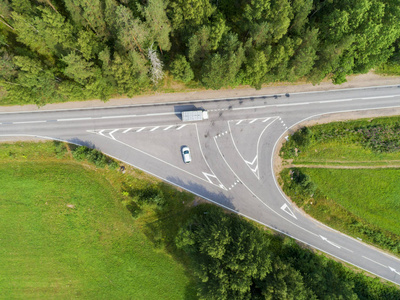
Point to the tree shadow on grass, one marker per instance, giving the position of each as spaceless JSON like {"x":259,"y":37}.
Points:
{"x":172,"y":215}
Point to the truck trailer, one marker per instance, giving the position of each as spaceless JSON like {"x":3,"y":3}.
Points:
{"x":194,"y":115}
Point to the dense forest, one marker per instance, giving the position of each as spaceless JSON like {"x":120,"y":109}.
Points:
{"x":59,"y":50}
{"x":234,"y":259}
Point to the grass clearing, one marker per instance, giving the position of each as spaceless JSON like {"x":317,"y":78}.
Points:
{"x":334,"y":150}
{"x":66,"y":234}
{"x":358,"y":191}
{"x":372,"y":195}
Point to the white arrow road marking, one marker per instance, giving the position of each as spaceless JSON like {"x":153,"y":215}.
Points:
{"x":287,"y":210}
{"x":101,"y":132}
{"x":111,"y":133}
{"x":126,"y":130}
{"x":250,"y":164}
{"x":326,"y":240}
{"x":394,"y":270}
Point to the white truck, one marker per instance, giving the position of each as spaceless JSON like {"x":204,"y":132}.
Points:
{"x":194,"y":115}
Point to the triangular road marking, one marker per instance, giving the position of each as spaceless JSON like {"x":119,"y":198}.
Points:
{"x":287,"y":210}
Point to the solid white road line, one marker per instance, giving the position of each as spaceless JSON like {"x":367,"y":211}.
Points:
{"x":155,"y":128}
{"x":252,"y":121}
{"x":139,"y":130}
{"x":168,"y":127}
{"x":180,"y":127}
{"x":127,"y":130}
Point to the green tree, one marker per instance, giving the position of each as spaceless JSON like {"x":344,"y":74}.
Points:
{"x":181,"y":70}
{"x":48,"y":33}
{"x":89,"y":45}
{"x":88,"y":13}
{"x":158,"y":23}
{"x":221,"y":70}
{"x":229,"y":253}
{"x":34,"y":82}
{"x":128,"y":73}
{"x":186,"y":14}
{"x":78,"y":68}
{"x":132,"y":34}
{"x":256,"y":69}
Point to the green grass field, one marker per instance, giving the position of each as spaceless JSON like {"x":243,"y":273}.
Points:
{"x":353,"y":197}
{"x":335,"y":151}
{"x":65,"y":234}
{"x":372,"y":195}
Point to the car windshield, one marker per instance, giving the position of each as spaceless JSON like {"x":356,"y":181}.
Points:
{"x":186,"y":152}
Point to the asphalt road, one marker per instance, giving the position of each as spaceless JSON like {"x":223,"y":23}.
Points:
{"x":231,"y":154}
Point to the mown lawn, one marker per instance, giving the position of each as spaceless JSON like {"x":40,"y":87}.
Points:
{"x":65,"y":234}
{"x":373,"y":194}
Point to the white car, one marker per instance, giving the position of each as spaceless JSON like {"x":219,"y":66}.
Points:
{"x":186,"y":154}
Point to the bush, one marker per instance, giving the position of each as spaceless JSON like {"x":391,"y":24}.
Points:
{"x":94,"y":156}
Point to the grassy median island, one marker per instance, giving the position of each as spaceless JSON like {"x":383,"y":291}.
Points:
{"x":347,"y":175}
{"x":65,"y":233}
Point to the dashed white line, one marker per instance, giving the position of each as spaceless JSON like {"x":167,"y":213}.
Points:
{"x":166,"y":128}
{"x":155,"y":128}
{"x":73,"y":119}
{"x":139,"y":130}
{"x":29,"y":122}
{"x":374,"y":261}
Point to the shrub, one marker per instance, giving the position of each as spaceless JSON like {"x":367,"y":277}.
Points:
{"x":94,"y":156}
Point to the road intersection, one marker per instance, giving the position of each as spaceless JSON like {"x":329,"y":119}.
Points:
{"x":232,"y":154}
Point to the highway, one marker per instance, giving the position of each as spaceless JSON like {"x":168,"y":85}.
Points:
{"x":232,"y":154}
